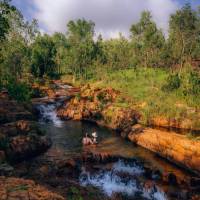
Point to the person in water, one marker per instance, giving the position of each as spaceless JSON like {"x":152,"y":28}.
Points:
{"x":94,"y":137}
{"x":87,"y":140}
{"x":90,"y":141}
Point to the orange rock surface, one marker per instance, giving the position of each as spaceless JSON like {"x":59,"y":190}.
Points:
{"x":170,"y":145}
{"x":20,"y":189}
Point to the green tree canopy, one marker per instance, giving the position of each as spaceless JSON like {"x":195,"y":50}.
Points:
{"x":43,"y":55}
{"x":147,"y":40}
{"x":82,"y":48}
{"x":184,"y":35}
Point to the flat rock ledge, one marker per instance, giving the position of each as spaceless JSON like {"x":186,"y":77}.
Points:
{"x":20,"y":189}
{"x":177,"y":148}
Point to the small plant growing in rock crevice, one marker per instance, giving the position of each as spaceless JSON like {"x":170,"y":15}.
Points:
{"x":74,"y":194}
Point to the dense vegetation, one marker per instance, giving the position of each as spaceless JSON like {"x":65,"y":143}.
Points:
{"x":160,"y":70}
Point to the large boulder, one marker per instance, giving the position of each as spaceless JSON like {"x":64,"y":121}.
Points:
{"x":21,"y":140}
{"x":175,"y":147}
{"x":25,"y":147}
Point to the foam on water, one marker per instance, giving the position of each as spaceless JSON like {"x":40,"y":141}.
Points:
{"x":48,"y":114}
{"x":111,"y":182}
{"x":130,"y":168}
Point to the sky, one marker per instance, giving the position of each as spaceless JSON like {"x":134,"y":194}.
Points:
{"x":110,"y":16}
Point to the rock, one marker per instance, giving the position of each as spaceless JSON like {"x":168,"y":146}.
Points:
{"x":21,"y":127}
{"x":11,"y":111}
{"x":99,"y":157}
{"x":98,"y":105}
{"x":15,"y":188}
{"x":181,"y":123}
{"x":23,"y":147}
{"x":175,"y":147}
{"x":2,"y":156}
{"x":172,"y":180}
{"x":195,"y":182}
{"x":196,"y":197}
{"x":6,"y":169}
{"x":137,"y":128}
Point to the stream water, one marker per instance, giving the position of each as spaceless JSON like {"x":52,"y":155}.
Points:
{"x":135,"y":174}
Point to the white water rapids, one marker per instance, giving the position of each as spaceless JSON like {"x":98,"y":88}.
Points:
{"x":111,"y":182}
{"x":48,"y":114}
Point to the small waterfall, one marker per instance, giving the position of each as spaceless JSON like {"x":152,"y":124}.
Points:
{"x":48,"y":114}
{"x":120,"y":179}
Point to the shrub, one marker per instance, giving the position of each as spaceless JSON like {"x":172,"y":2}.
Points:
{"x":19,"y":91}
{"x":193,"y":87}
{"x":173,"y":82}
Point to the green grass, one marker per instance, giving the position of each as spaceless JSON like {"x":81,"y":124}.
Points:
{"x":144,"y":87}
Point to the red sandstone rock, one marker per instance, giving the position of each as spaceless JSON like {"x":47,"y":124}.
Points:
{"x":20,"y":189}
{"x":170,"y":145}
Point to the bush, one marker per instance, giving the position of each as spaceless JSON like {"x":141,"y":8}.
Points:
{"x":193,"y":86}
{"x":19,"y":91}
{"x":173,"y":82}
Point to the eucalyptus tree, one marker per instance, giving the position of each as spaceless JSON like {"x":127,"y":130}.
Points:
{"x":62,"y":48}
{"x":184,"y":35}
{"x":118,"y":53}
{"x":82,"y":47}
{"x":147,"y":41}
{"x":16,"y":35}
{"x":43,"y":56}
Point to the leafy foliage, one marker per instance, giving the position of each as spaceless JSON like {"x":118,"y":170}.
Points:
{"x":19,"y":90}
{"x":173,"y":82}
{"x":43,"y":54}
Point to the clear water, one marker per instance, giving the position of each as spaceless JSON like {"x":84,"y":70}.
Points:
{"x":67,"y":137}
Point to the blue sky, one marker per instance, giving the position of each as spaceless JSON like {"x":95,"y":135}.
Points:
{"x":110,"y":16}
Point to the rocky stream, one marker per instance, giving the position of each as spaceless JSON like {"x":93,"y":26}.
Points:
{"x":46,"y":160}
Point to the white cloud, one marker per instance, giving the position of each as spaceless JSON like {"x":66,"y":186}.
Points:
{"x":110,"y":16}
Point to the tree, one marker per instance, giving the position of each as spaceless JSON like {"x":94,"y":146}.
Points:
{"x":5,"y":9}
{"x":147,"y":41}
{"x":62,"y":48}
{"x":15,"y":56}
{"x":43,"y":55}
{"x":14,"y":50}
{"x":82,"y":49}
{"x":184,"y":34}
{"x":118,"y":53}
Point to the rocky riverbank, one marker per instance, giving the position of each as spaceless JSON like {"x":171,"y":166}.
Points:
{"x":20,"y":139}
{"x":105,"y":107}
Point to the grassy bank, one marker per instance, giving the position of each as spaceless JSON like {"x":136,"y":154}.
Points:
{"x":144,"y":89}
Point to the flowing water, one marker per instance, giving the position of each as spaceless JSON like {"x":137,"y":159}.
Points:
{"x":127,"y":175}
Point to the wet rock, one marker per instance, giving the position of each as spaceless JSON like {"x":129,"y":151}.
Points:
{"x":172,"y":180}
{"x":21,"y":127}
{"x":196,"y":197}
{"x":6,"y":169}
{"x":14,"y":189}
{"x":104,"y":157}
{"x":195,"y":182}
{"x":23,"y":147}
{"x":2,"y":156}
